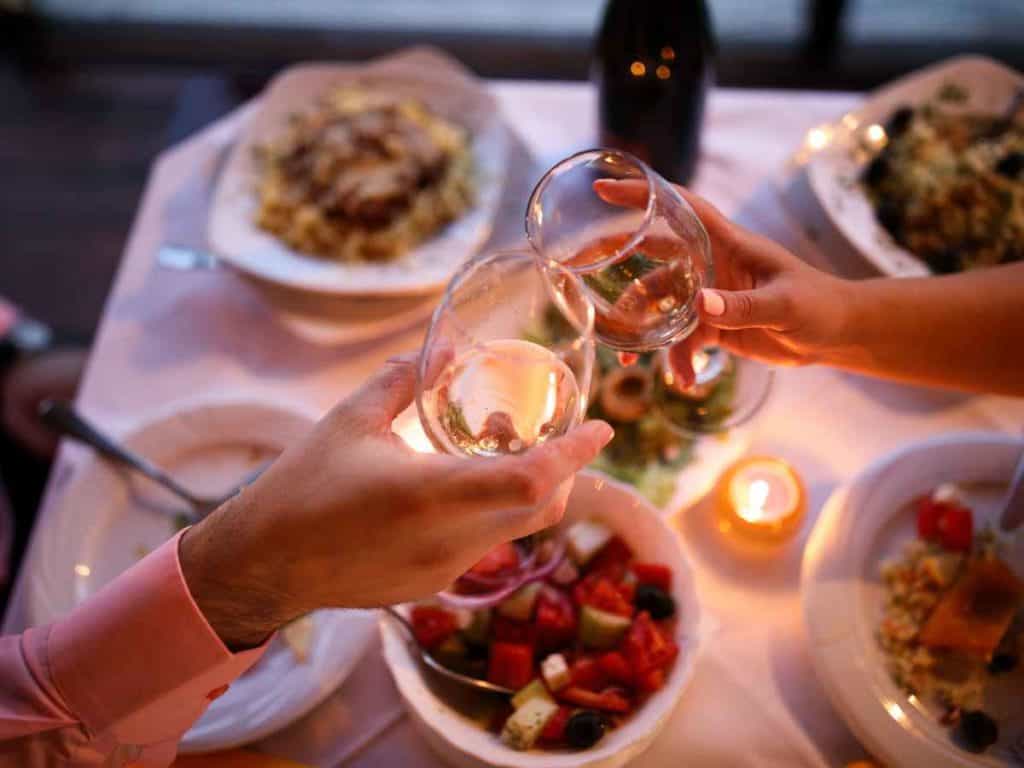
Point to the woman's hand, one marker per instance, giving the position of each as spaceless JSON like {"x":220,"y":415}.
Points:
{"x":352,"y":517}
{"x":767,"y":304}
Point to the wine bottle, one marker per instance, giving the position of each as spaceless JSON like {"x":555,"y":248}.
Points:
{"x":653,"y":66}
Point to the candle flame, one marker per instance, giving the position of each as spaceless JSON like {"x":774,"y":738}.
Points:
{"x":752,"y":507}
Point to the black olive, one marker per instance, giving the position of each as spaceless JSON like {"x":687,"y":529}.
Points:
{"x":877,"y":170}
{"x":1011,"y":165}
{"x":945,"y":262}
{"x":979,"y":731}
{"x":655,"y":601}
{"x":899,"y":121}
{"x":1002,"y":662}
{"x":584,"y":729}
{"x":890,"y":216}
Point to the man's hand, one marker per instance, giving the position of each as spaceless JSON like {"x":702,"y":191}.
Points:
{"x":352,"y":517}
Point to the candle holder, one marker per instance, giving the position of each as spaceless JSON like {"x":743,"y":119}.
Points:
{"x":761,"y":498}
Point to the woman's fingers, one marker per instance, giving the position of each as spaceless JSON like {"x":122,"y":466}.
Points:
{"x":632,"y":193}
{"x":680,"y":355}
{"x":628,"y":193}
{"x":767,"y":307}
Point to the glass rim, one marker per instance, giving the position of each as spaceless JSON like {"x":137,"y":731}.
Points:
{"x":652,"y":177}
{"x":583,"y":326}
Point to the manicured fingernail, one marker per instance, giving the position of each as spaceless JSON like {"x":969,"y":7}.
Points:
{"x":714,"y":304}
{"x":604,"y":432}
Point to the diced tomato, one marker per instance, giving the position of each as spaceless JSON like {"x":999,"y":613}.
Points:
{"x":554,"y":731}
{"x":555,"y":620}
{"x":628,"y":591}
{"x":587,"y":674}
{"x":609,"y":700}
{"x":655,"y":574}
{"x":611,"y":561}
{"x":646,"y":648}
{"x":506,"y":630}
{"x":651,"y":681}
{"x":599,"y":592}
{"x":956,"y":528}
{"x":503,"y":557}
{"x":432,"y":626}
{"x":928,"y":514}
{"x":510,"y":665}
{"x":616,"y":668}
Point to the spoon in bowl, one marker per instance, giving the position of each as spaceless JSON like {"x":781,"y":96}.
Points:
{"x":428,"y":660}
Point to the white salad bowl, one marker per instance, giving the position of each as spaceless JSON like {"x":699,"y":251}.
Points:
{"x":461,"y":742}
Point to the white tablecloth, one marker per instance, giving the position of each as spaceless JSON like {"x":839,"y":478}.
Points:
{"x":754,"y":701}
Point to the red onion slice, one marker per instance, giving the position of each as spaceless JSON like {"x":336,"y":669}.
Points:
{"x":526,"y":576}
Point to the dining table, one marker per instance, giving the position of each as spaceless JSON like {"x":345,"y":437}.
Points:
{"x":171,"y":336}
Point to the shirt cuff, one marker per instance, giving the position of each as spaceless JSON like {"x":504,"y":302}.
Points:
{"x":138,"y":661}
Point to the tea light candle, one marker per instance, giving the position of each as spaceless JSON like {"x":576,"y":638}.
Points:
{"x":761,"y":497}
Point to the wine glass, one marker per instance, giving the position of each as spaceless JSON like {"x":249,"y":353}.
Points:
{"x":507,"y":360}
{"x":643,"y":268}
{"x":505,"y":366}
{"x":727,"y":392}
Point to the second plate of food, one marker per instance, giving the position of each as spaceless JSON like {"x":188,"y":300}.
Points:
{"x":927,"y":176}
{"x":913,"y":605}
{"x":363,"y":180}
{"x":106,"y":519}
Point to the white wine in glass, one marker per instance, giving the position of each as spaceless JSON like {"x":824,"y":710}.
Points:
{"x":505,"y":396}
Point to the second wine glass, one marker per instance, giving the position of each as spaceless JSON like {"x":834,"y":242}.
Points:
{"x":643,"y":268}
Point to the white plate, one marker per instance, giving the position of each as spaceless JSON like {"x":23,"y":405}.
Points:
{"x":834,"y":172}
{"x":861,"y":525}
{"x":461,"y":742}
{"x":430,"y":76}
{"x":104,"y":522}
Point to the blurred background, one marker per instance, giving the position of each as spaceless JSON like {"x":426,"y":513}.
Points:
{"x":93,"y":89}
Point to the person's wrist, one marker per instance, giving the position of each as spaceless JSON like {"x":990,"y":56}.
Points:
{"x":223,"y":572}
{"x":846,"y":347}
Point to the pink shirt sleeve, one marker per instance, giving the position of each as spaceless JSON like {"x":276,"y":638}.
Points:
{"x":120,"y":679}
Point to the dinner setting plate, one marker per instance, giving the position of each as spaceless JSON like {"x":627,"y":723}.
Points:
{"x":106,"y":519}
{"x":864,"y":524}
{"x":424,"y":74}
{"x":837,"y":157}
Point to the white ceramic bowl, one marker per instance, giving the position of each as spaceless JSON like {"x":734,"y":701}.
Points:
{"x":862,"y":524}
{"x":463,"y":743}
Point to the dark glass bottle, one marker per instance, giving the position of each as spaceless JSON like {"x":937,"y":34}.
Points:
{"x":653,"y":66}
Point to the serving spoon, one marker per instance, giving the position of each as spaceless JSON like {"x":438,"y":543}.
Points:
{"x":63,"y":419}
{"x":427,"y":659}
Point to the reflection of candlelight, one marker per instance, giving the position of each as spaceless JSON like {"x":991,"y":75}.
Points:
{"x":709,"y":365}
{"x":762,"y":498}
